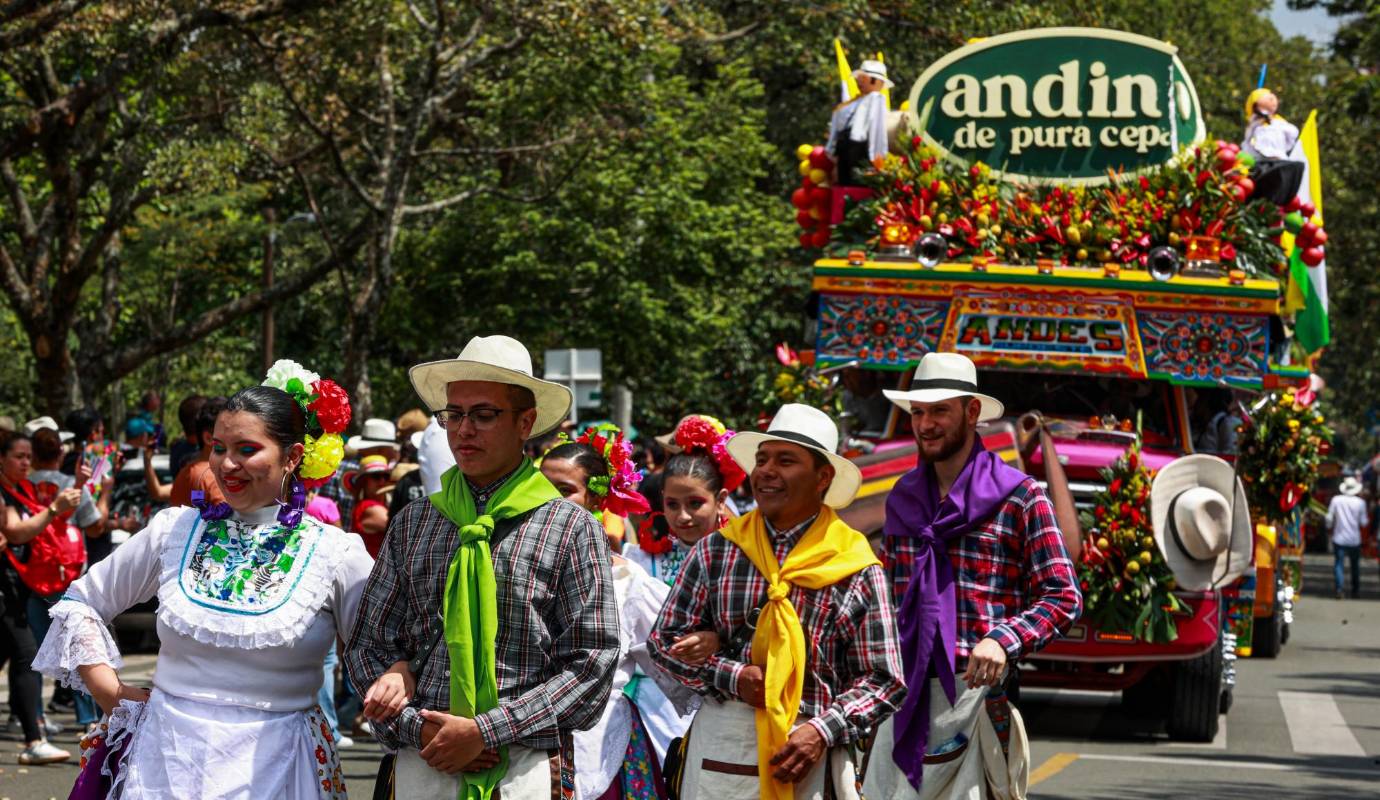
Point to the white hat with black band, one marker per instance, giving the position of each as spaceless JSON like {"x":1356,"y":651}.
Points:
{"x":808,"y":427}
{"x":944,"y":376}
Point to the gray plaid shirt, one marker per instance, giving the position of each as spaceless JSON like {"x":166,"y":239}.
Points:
{"x":557,"y":623}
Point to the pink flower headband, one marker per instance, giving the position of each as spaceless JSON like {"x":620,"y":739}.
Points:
{"x":705,"y":434}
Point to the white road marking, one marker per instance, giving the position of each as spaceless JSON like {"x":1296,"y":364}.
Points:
{"x":1267,"y":766}
{"x":1316,"y":725}
{"x":1219,"y":742}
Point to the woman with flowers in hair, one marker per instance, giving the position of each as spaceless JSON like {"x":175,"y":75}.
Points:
{"x":251,"y":594}
{"x":597,"y":471}
{"x":621,"y":756}
{"x":695,"y":486}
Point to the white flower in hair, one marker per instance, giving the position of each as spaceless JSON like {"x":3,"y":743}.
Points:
{"x":284,"y":370}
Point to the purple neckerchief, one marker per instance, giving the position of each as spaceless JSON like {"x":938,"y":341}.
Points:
{"x":211,"y":511}
{"x":928,"y":612}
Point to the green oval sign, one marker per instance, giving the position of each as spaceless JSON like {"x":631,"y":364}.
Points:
{"x":1064,"y":104}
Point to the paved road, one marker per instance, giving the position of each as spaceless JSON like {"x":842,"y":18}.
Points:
{"x":55,"y":781}
{"x":1305,"y":725}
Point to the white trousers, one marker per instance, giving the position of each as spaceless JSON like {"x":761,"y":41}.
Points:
{"x":721,"y":761}
{"x":965,"y":773}
{"x":528,"y":777}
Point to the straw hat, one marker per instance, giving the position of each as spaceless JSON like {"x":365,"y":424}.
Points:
{"x":369,"y":465}
{"x":1350,"y":486}
{"x":374,"y":433}
{"x":413,"y":420}
{"x":944,"y":376}
{"x":1201,"y":522}
{"x":808,"y":427}
{"x":497,"y":359}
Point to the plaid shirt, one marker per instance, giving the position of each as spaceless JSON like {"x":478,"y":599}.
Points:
{"x":1014,"y":579}
{"x":852,"y":678}
{"x":557,"y":623}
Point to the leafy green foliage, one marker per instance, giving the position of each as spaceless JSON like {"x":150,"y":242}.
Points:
{"x":627,"y":164}
{"x":1127,"y":586}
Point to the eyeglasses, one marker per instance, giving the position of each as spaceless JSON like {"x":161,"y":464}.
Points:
{"x":483,"y":418}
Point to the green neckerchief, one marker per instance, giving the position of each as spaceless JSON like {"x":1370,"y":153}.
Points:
{"x":470,"y":605}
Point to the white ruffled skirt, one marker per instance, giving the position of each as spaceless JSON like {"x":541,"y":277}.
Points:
{"x":183,"y":748}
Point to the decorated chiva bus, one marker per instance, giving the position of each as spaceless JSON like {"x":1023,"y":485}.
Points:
{"x":1047,"y":203}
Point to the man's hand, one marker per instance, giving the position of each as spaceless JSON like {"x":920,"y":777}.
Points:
{"x":695,"y":648}
{"x":798,"y":755}
{"x":486,"y":760}
{"x":986,"y":664}
{"x":752,"y":686}
{"x":454,"y":745}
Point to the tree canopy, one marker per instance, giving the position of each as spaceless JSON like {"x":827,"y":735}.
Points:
{"x":391,"y":177}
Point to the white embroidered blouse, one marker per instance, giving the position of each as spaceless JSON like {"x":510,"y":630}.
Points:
{"x":246,"y":610}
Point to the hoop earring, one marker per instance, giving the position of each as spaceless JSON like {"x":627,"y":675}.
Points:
{"x":290,"y":512}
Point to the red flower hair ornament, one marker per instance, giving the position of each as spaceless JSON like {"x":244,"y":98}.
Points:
{"x":704,"y":434}
{"x":617,"y":491}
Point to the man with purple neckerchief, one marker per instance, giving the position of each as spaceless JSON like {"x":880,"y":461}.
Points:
{"x":979,"y":570}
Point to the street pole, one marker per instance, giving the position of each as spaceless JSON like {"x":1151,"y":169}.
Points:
{"x":574,"y":391}
{"x":622,"y":407}
{"x":270,"y":245}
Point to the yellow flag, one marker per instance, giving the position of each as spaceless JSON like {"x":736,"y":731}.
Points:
{"x":850,"y":84}
{"x":886,"y":93}
{"x":1308,"y":140}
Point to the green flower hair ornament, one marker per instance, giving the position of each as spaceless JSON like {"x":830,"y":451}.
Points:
{"x":598,"y":484}
{"x":618,"y":489}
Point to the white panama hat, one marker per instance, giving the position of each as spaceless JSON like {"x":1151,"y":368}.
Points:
{"x":374,"y":433}
{"x":944,"y":376}
{"x":808,"y":427}
{"x":1350,"y":486}
{"x":496,"y":359}
{"x":1201,"y":522}
{"x":874,"y":69}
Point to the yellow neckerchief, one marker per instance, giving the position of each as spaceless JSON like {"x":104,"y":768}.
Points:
{"x":827,"y":553}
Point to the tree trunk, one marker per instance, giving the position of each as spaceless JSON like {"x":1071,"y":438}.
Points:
{"x":365,"y":307}
{"x":58,"y":388}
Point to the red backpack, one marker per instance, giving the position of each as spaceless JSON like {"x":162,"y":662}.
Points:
{"x":56,"y":555}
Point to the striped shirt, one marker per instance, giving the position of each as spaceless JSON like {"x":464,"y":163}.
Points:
{"x":1014,"y":580}
{"x":852,"y":676}
{"x":557,"y":623}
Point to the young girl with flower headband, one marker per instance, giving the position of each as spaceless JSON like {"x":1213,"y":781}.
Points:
{"x":251,"y":594}
{"x":696,"y":483}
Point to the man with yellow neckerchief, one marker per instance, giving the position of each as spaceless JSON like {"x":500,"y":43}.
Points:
{"x":809,"y":655}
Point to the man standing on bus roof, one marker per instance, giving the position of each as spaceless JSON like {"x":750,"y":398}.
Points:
{"x":979,"y":570}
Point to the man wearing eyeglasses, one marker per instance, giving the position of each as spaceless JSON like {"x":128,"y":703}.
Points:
{"x":494,"y":596}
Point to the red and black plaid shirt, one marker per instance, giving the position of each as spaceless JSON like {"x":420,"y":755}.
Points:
{"x":852,"y":677}
{"x":1014,"y":580}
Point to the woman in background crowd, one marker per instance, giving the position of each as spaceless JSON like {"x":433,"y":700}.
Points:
{"x":25,"y":519}
{"x":621,"y":756}
{"x":369,"y":513}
